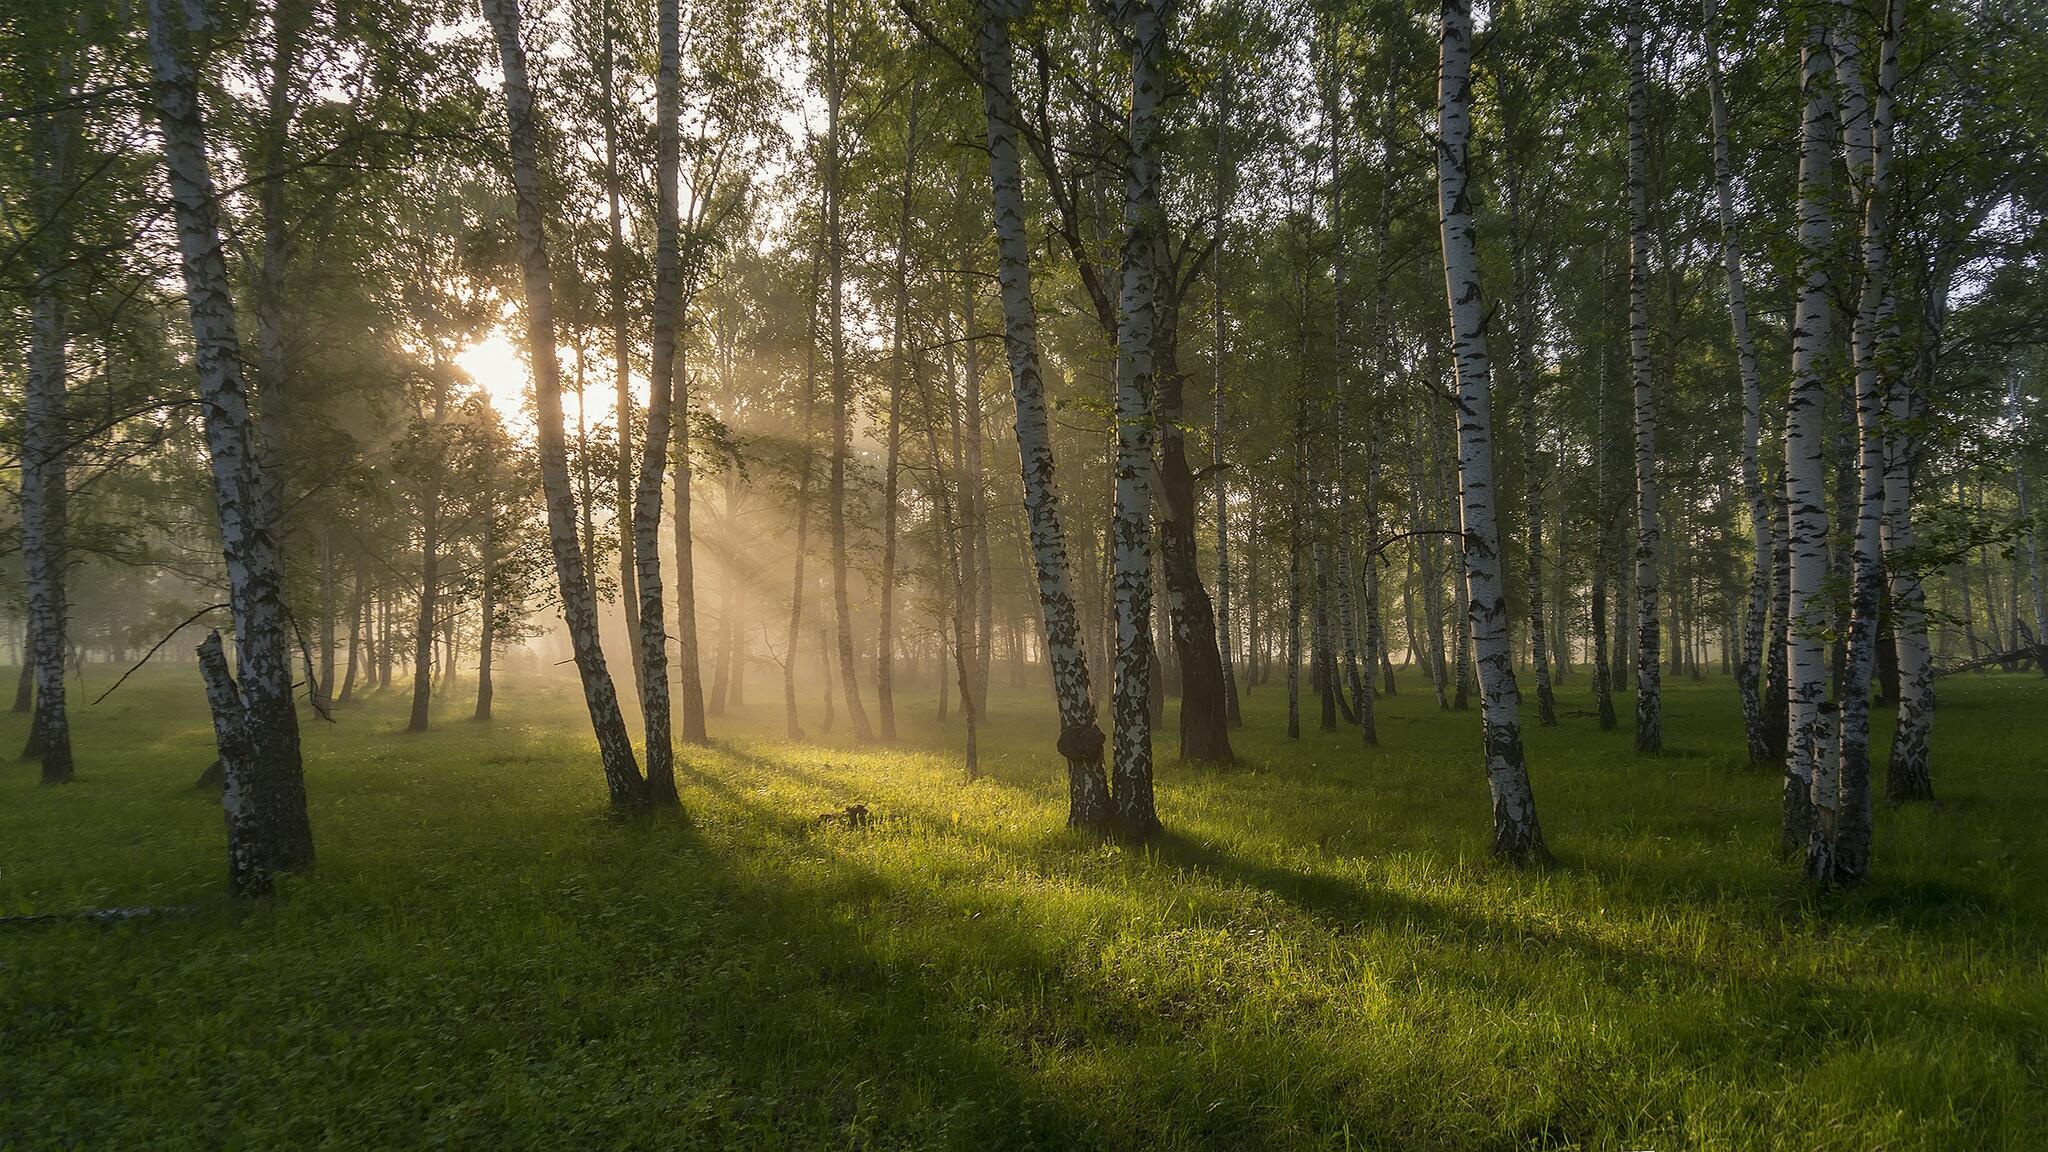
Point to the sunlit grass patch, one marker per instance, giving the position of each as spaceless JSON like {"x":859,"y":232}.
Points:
{"x":1317,"y":954}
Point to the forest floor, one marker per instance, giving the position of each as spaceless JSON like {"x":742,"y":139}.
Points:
{"x":1317,"y":955}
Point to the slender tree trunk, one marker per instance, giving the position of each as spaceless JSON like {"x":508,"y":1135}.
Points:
{"x":1867,"y":136}
{"x":1224,"y":188}
{"x":1810,"y":778}
{"x":424,"y":619}
{"x":689,"y":664}
{"x":649,"y":622}
{"x":885,"y":646}
{"x":268,"y":778}
{"x":627,"y":789}
{"x":974,"y":510}
{"x":1516,"y":834}
{"x":487,"y":629}
{"x":1603,"y":531}
{"x":1749,"y":668}
{"x":1080,"y":739}
{"x":1131,"y":759}
{"x":44,"y":433}
{"x":793,"y":722}
{"x":1522,"y":311}
{"x":623,"y":492}
{"x":842,"y":398}
{"x":1649,"y":694}
{"x":357,"y":604}
{"x":958,"y":558}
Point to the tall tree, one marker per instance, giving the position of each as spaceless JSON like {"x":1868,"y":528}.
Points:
{"x":628,"y":791}
{"x":266,"y":792}
{"x":842,"y":385}
{"x":1516,"y":834}
{"x":1649,"y":648}
{"x":1142,"y":25}
{"x":1749,"y":667}
{"x":1810,"y":775}
{"x":1080,"y":738}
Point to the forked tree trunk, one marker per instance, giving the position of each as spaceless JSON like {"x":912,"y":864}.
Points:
{"x":1810,"y":779}
{"x":1649,"y":688}
{"x":1080,"y":739}
{"x":1867,"y":130}
{"x":1516,"y":834}
{"x":1748,"y":670}
{"x":249,"y":873}
{"x":249,"y":538}
{"x":628,"y":791}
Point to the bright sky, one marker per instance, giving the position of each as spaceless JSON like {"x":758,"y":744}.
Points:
{"x":499,"y":368}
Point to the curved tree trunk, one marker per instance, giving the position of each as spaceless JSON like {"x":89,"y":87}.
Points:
{"x":627,"y":790}
{"x":1516,"y":834}
{"x":1080,"y":739}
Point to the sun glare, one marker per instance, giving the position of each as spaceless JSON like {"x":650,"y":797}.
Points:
{"x":500,"y":371}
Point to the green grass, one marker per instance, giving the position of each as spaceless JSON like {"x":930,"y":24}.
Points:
{"x":1317,"y":956}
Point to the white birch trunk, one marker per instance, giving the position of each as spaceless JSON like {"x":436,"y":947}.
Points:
{"x":652,"y":665}
{"x":1516,"y":834}
{"x":272,"y":779}
{"x":1080,"y":739}
{"x":1131,"y":543}
{"x":1809,"y":778}
{"x":1844,"y":856}
{"x":628,"y":792}
{"x":44,"y":478}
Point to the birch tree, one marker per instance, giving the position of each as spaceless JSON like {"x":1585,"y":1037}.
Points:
{"x":1809,"y":777}
{"x":1516,"y":835}
{"x":628,"y":791}
{"x":265,"y":778}
{"x":646,"y":552}
{"x":1080,"y":739}
{"x":45,"y":482}
{"x":1144,"y":30}
{"x":1649,"y":648}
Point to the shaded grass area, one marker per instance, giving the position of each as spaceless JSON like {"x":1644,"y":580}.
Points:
{"x":1318,"y":955}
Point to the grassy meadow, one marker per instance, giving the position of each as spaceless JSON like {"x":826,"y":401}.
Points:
{"x":1318,"y":954}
